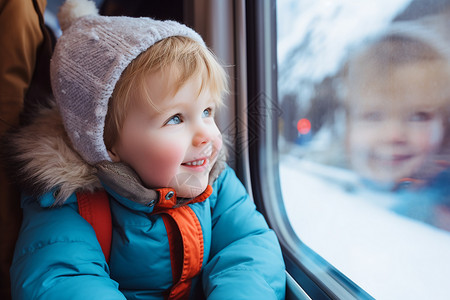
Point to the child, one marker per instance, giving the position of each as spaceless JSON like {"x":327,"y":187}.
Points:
{"x":137,"y":99}
{"x":397,"y":97}
{"x":397,"y":100}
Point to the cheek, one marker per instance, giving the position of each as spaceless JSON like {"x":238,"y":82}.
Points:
{"x":359,"y":140}
{"x":160,"y":164}
{"x":428,"y":140}
{"x":156,"y":160}
{"x":218,"y":142}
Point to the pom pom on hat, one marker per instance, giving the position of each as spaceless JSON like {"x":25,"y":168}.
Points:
{"x":74,"y":9}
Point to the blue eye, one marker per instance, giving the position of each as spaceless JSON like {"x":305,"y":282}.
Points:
{"x":174,"y":120}
{"x":420,"y":116}
{"x":372,"y":116}
{"x":207,"y":113}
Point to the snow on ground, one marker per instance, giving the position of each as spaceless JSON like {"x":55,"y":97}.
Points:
{"x":389,"y":256}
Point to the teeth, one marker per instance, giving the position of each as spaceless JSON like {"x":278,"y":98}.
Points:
{"x":195,"y":163}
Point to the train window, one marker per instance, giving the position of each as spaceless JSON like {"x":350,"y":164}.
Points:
{"x":363,"y":142}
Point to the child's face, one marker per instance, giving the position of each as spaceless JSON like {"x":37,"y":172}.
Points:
{"x":175,"y":143}
{"x":395,"y":123}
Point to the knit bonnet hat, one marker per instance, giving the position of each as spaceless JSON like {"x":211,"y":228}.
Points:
{"x":89,"y":59}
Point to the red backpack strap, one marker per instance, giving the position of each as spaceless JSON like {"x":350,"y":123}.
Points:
{"x":94,"y":208}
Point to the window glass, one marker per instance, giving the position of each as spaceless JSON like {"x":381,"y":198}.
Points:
{"x":364,"y":90}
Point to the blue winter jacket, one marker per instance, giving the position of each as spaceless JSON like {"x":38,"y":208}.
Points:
{"x":58,"y":256}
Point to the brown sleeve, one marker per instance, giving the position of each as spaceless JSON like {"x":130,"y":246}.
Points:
{"x":20,"y":37}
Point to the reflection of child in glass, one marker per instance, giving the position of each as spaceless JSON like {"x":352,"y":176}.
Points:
{"x":137,"y":99}
{"x":397,"y":97}
{"x":398,"y":91}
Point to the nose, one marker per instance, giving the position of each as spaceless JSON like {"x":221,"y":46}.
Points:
{"x":395,"y":132}
{"x":202,"y":135}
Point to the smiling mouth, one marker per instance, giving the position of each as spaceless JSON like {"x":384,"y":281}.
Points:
{"x":195,"y":163}
{"x":393,"y":160}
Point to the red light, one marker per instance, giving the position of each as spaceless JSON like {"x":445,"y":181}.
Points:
{"x":303,"y":126}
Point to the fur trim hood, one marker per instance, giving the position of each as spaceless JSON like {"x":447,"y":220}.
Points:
{"x":40,"y":158}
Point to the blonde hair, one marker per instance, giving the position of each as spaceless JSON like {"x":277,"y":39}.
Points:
{"x":183,"y":57}
{"x":373,"y":64}
{"x":390,"y":52}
